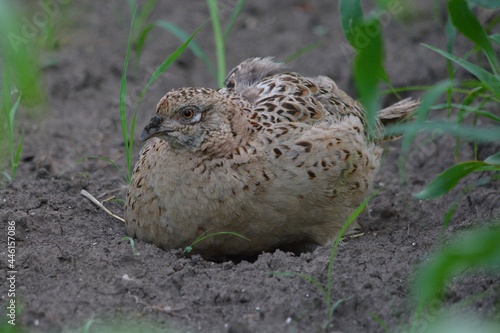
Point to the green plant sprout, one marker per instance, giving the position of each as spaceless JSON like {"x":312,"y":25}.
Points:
{"x":86,"y":327}
{"x":128,"y":130}
{"x":368,"y":64}
{"x":326,"y":291}
{"x":220,"y":33}
{"x":479,"y":249}
{"x":448,"y":179}
{"x":48,"y":38}
{"x":132,"y":245}
{"x":141,"y":15}
{"x":474,"y":95}
{"x":221,"y":36}
{"x":14,"y":149}
{"x":303,"y":50}
{"x":477,"y":93}
{"x":204,"y":236}
{"x":19,"y":80}
{"x":102,"y":158}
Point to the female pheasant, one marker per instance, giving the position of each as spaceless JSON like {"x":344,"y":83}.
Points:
{"x":275,"y":157}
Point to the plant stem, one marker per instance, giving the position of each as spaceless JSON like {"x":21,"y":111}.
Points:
{"x":127,"y":135}
{"x":219,"y":41}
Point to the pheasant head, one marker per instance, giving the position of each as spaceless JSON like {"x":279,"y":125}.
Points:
{"x":198,"y":120}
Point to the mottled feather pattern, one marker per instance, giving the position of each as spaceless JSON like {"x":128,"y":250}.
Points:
{"x":276,"y":157}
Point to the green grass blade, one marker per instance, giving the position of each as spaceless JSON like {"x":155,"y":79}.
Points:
{"x":145,"y":12}
{"x":189,"y":248}
{"x":381,"y":323}
{"x":17,"y":157}
{"x":493,"y":159}
{"x":448,"y":179}
{"x":167,"y":62}
{"x":199,"y":239}
{"x":13,"y":110}
{"x":303,"y":50}
{"x":4,"y":121}
{"x":484,"y":134}
{"x":465,"y":22}
{"x":220,"y":44}
{"x":491,"y":4}
{"x":132,"y":5}
{"x":476,"y":249}
{"x":451,"y":34}
{"x":141,"y":40}
{"x":19,"y":56}
{"x":368,"y":70}
{"x":127,"y":136}
{"x":232,"y":19}
{"x":422,"y":112}
{"x":469,"y":109}
{"x":369,"y":61}
{"x":132,"y":245}
{"x":106,"y":159}
{"x":490,"y":81}
{"x":351,"y":15}
{"x":495,"y":38}
{"x":86,"y":327}
{"x":333,"y":252}
{"x":306,"y":277}
{"x":193,"y":46}
{"x":448,"y":215}
{"x":15,"y":153}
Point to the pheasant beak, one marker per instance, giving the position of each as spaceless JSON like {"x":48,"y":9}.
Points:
{"x":152,"y":129}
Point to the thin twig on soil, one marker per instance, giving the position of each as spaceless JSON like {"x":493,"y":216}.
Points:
{"x":94,"y":200}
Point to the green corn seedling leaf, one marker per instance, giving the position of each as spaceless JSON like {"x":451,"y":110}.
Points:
{"x":302,"y":50}
{"x":465,"y":22}
{"x":170,"y":59}
{"x":491,"y":4}
{"x":469,"y":109}
{"x":467,"y":132}
{"x":369,"y":70}
{"x":146,"y":10}
{"x":333,"y":252}
{"x":306,"y":277}
{"x":422,"y":112}
{"x":17,"y":157}
{"x":132,"y":4}
{"x":141,"y":39}
{"x":495,"y":38}
{"x":182,"y":35}
{"x":476,"y":249}
{"x":493,"y":159}
{"x":365,"y":36}
{"x":15,"y":154}
{"x":13,"y":110}
{"x":351,"y":15}
{"x":220,"y":43}
{"x":102,"y":158}
{"x":86,"y":327}
{"x":232,"y":19}
{"x":127,"y":135}
{"x":448,"y":179}
{"x":204,"y":236}
{"x":490,"y":81}
{"x":132,"y":245}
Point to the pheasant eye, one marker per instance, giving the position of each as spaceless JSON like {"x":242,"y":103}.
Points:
{"x":187,"y":113}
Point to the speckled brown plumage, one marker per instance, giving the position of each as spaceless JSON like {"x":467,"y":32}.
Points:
{"x":274,"y":156}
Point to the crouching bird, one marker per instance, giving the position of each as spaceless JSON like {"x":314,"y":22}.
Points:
{"x":274,"y":158}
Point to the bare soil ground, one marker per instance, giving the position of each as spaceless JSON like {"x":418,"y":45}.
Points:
{"x":71,"y":260}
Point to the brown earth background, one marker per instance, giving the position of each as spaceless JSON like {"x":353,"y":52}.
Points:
{"x":73,"y":264}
